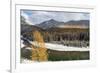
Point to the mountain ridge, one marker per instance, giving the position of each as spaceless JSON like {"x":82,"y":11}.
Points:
{"x":53,"y":23}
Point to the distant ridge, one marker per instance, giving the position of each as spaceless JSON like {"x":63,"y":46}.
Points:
{"x":70,"y":24}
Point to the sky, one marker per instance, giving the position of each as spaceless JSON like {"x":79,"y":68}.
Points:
{"x":36,"y":17}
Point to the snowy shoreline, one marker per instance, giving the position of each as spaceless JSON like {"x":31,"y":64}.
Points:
{"x":58,"y":47}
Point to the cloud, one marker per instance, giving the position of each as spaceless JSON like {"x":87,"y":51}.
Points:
{"x":24,"y":15}
{"x":27,"y":17}
{"x":37,"y":17}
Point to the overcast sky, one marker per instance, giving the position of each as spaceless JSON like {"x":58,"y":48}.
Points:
{"x":36,"y":17}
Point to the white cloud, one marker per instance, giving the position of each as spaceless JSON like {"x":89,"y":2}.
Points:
{"x":24,"y":15}
{"x":27,"y":18}
{"x":37,"y":17}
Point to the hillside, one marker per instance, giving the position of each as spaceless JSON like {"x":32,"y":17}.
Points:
{"x":70,"y":24}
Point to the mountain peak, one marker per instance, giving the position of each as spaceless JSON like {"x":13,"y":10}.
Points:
{"x":48,"y":24}
{"x":53,"y":23}
{"x":52,"y":20}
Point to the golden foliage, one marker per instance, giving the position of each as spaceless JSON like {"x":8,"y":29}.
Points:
{"x":39,"y":53}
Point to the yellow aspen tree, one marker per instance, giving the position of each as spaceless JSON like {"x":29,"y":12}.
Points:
{"x":39,"y":51}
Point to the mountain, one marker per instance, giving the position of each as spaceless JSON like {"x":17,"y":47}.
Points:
{"x":80,"y":22}
{"x":75,"y":24}
{"x":70,"y":24}
{"x":49,"y":24}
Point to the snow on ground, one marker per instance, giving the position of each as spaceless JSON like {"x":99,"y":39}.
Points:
{"x":61,"y":47}
{"x":64,"y":48}
{"x":27,"y":61}
{"x":22,"y":45}
{"x":58,"y":47}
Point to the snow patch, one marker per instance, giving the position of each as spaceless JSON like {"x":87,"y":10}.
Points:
{"x":61,"y":47}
